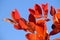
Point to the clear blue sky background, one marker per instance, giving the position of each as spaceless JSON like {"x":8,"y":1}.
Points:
{"x":7,"y":32}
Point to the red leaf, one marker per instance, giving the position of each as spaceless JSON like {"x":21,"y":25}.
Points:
{"x":32,"y":25}
{"x":52,"y":11}
{"x":30,"y":36}
{"x":41,"y":29}
{"x":31,"y":11}
{"x":15,"y":15}
{"x":54,"y":31}
{"x":23,"y":23}
{"x":31,"y":18}
{"x":57,"y":15}
{"x":32,"y":21}
{"x":38,"y":10}
{"x":45,"y":9}
{"x":56,"y":20}
{"x":17,"y":27}
{"x":30,"y":28}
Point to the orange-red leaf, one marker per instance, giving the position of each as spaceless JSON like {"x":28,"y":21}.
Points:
{"x":57,"y":15}
{"x":33,"y":25}
{"x":41,"y":29}
{"x":38,"y":10}
{"x":15,"y":15}
{"x":56,"y":20}
{"x":30,"y":36}
{"x":17,"y":27}
{"x":31,"y":11}
{"x":30,"y":28}
{"x":23,"y":23}
{"x":45,"y":9}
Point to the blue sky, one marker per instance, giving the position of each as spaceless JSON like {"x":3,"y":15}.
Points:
{"x":7,"y":32}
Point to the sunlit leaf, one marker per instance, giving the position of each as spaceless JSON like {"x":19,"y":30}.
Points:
{"x":56,"y":24}
{"x":56,"y":20}
{"x":30,"y":28}
{"x":17,"y":27}
{"x":45,"y":9}
{"x":36,"y":25}
{"x":38,"y":10}
{"x":23,"y":23}
{"x":30,"y":36}
{"x":41,"y":29}
{"x":15,"y":15}
{"x":57,"y":15}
